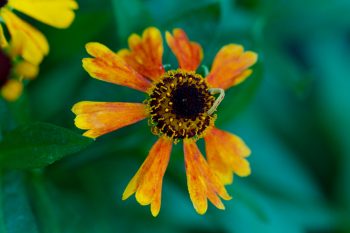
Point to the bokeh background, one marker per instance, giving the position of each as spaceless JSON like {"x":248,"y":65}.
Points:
{"x":293,"y":112}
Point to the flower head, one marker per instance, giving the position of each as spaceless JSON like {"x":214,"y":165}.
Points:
{"x":180,"y":104}
{"x":56,"y":13}
{"x":13,"y":68}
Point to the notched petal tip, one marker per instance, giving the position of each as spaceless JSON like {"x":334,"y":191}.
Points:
{"x":147,"y":182}
{"x":226,"y":154}
{"x":95,"y":48}
{"x":130,"y":188}
{"x":90,"y":134}
{"x":252,"y":56}
{"x":226,"y":196}
{"x":87,"y":63}
{"x":202,"y":183}
{"x":125,"y":196}
{"x":151,"y":30}
{"x":133,"y":40}
{"x":201,"y":209}
{"x":155,"y":212}
{"x":100,"y":118}
{"x":110,"y":67}
{"x":230,"y":66}
{"x":145,"y":53}
{"x":242,"y":168}
{"x":142,"y":199}
{"x":188,"y":53}
{"x":78,"y":107}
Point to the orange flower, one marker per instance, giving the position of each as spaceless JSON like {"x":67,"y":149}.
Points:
{"x":180,"y":105}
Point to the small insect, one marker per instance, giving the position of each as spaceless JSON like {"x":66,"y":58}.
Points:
{"x":214,"y":91}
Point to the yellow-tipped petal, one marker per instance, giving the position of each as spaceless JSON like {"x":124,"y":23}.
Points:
{"x":109,"y":67}
{"x":21,"y":46}
{"x":156,"y":203}
{"x":26,"y":70}
{"x":213,"y":197}
{"x":226,"y":155}
{"x":230,"y":66}
{"x":196,"y":185}
{"x":12,"y":90}
{"x":35,"y":44}
{"x":103,"y":117}
{"x":147,"y":182}
{"x":189,"y":54}
{"x":145,"y":54}
{"x":153,"y":177}
{"x":202,"y":183}
{"x":56,"y":13}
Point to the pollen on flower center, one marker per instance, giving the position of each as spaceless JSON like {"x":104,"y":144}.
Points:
{"x":3,"y":3}
{"x":5,"y":68}
{"x":179,"y":105}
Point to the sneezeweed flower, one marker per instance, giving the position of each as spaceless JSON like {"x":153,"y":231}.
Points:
{"x":13,"y":68}
{"x":56,"y":13}
{"x":180,"y":104}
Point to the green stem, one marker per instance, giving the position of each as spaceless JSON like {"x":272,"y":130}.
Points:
{"x":43,"y":203}
{"x":2,"y":221}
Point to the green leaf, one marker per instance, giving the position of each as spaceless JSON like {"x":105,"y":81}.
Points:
{"x":38,"y":145}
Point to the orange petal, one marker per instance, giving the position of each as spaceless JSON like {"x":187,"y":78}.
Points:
{"x":226,"y":154}
{"x":145,"y":54}
{"x":189,"y":54}
{"x":35,"y":44}
{"x":102,"y":117}
{"x":110,"y":67}
{"x":202,"y":183}
{"x":147,"y":182}
{"x":57,"y":13}
{"x":230,"y":66}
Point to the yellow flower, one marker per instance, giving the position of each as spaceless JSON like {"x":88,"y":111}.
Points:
{"x":56,"y":13}
{"x":180,"y":105}
{"x":13,"y":68}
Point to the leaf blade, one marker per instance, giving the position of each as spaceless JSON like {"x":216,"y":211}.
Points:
{"x":37,"y":145}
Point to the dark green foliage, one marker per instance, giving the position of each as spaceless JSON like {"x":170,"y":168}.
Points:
{"x":38,"y":145}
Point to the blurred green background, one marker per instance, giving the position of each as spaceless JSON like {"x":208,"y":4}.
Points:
{"x":293,"y":112}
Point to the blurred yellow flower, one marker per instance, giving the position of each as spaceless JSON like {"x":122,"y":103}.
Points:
{"x":56,"y":13}
{"x":13,"y":68}
{"x":180,"y":105}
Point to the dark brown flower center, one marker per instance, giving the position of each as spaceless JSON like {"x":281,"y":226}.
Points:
{"x":5,"y":68}
{"x":188,"y":101}
{"x":3,"y":3}
{"x":179,"y":105}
